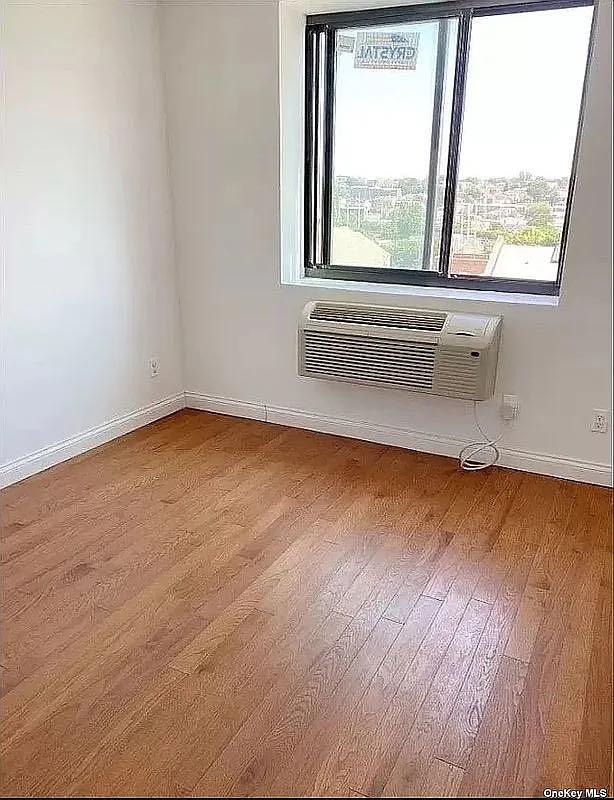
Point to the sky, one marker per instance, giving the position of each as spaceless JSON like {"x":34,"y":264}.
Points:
{"x":524,"y":87}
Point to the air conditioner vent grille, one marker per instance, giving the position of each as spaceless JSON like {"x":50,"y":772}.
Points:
{"x":382,"y":362}
{"x":404,"y":319}
{"x":457,"y":373}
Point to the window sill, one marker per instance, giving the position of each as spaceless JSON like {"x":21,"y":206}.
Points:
{"x":444,"y":293}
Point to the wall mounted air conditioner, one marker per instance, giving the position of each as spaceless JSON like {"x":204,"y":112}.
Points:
{"x":439,"y":352}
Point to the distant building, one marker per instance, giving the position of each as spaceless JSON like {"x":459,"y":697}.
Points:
{"x":352,"y":248}
{"x":468,"y":264}
{"x":521,"y":262}
{"x":524,"y":262}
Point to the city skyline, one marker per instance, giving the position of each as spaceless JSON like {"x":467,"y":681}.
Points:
{"x":510,"y":223}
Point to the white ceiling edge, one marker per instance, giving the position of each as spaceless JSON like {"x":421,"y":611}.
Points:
{"x":322,"y":6}
{"x":308,"y":6}
{"x":220,"y":2}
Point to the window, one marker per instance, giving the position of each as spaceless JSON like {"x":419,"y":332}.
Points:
{"x":441,"y":142}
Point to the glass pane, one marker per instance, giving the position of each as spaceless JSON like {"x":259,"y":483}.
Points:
{"x":392,"y":111}
{"x":524,"y":88}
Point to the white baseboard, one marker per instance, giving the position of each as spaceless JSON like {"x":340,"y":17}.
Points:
{"x":49,"y":456}
{"x":221,"y":405}
{"x":540,"y":463}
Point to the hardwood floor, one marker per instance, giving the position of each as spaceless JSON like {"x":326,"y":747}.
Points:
{"x":215,"y":606}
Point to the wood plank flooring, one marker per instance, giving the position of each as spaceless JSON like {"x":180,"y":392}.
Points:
{"x":219,"y":607}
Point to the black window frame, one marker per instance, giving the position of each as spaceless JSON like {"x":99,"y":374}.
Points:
{"x":320,"y":63}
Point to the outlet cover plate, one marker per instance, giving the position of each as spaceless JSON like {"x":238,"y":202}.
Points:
{"x":601,"y":421}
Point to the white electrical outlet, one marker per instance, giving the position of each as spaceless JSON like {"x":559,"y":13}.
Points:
{"x":154,"y":367}
{"x":601,"y":421}
{"x":510,"y":407}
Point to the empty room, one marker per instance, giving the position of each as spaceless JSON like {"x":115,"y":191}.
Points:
{"x":306,"y":398}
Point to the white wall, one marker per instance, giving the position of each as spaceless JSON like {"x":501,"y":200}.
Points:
{"x":89,"y":286}
{"x":221,"y":64}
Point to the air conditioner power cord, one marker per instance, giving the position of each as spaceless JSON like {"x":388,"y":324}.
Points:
{"x":467,"y":455}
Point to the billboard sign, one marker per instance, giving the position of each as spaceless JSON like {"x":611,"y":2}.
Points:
{"x":386,"y":50}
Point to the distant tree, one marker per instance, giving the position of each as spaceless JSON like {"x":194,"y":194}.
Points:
{"x":539,"y":215}
{"x":535,"y":236}
{"x":408,"y":221}
{"x":406,"y":252}
{"x":538,"y":189}
{"x":531,"y":235}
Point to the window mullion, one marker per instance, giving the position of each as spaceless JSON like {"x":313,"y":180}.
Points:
{"x":438,"y":98}
{"x":310,"y":149}
{"x":328,"y":133}
{"x":317,"y":146}
{"x":458,"y":105}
